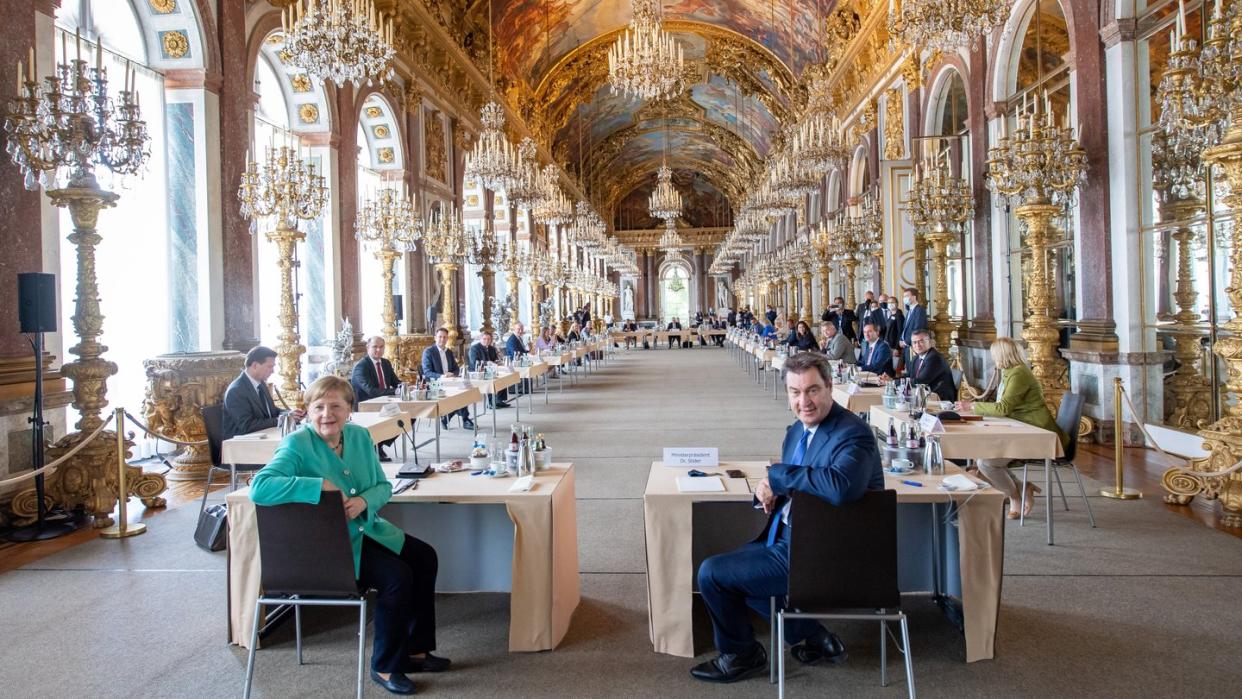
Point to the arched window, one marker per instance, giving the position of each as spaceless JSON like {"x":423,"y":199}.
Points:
{"x":275,"y":125}
{"x":948,"y":140}
{"x":380,"y":164}
{"x":675,"y":293}
{"x":1040,"y":65}
{"x":134,"y":259}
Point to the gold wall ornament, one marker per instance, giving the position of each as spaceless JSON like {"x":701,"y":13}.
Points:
{"x":381,"y":131}
{"x":386,"y":155}
{"x":178,"y":386}
{"x":374,"y":112}
{"x":308,"y":113}
{"x":894,"y":125}
{"x":436,"y":158}
{"x":175,"y":44}
{"x":163,"y":7}
{"x":301,"y":82}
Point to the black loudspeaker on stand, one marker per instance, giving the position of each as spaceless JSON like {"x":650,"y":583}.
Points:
{"x":36,"y":299}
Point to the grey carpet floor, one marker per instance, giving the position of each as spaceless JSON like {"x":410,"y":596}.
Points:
{"x":1141,"y":606}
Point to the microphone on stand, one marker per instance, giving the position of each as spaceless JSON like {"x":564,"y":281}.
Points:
{"x":405,"y":471}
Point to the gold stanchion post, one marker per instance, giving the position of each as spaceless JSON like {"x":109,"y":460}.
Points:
{"x":122,"y":529}
{"x":1119,"y":491}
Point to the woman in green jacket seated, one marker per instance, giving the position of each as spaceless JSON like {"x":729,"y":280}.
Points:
{"x":1017,"y":396}
{"x":334,"y":455}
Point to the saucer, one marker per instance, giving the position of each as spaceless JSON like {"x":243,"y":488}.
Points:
{"x":898,"y":471}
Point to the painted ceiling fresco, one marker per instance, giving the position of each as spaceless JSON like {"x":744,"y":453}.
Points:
{"x":531,"y":35}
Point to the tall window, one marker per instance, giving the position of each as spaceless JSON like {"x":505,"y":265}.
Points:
{"x":1042,"y":66}
{"x":132,"y":261}
{"x":675,"y":294}
{"x":272,"y":129}
{"x":370,"y":180}
{"x":951,"y":142}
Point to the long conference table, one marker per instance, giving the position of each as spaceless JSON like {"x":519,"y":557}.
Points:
{"x":259,"y":447}
{"x":961,"y":560}
{"x":487,"y":539}
{"x":433,"y":408}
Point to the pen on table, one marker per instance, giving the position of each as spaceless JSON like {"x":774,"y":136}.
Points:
{"x":916,"y":484}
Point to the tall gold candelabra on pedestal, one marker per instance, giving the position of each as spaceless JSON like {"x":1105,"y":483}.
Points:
{"x":1187,"y":391}
{"x":284,"y":190}
{"x":390,"y":224}
{"x":940,"y":205}
{"x":485,"y":252}
{"x":447,"y":243}
{"x":1039,"y":169}
{"x":58,"y":130}
{"x":512,"y":265}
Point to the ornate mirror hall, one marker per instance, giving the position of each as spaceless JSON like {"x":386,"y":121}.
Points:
{"x":258,"y":255}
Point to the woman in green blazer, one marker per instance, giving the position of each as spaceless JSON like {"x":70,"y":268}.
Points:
{"x":334,"y":455}
{"x":1017,"y":396}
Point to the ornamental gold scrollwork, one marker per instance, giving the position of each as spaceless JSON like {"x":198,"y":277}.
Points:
{"x":894,"y":125}
{"x":437,"y":160}
{"x":178,"y":386}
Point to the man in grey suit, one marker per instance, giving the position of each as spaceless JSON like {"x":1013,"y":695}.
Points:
{"x":835,"y":345}
{"x":248,"y":407}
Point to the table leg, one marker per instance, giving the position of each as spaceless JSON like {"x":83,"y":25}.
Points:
{"x":517,"y":406}
{"x":437,"y":419}
{"x":546,"y":381}
{"x":494,"y":411}
{"x":1048,"y":495}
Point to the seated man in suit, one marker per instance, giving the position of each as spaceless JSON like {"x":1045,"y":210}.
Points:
{"x":675,"y":325}
{"x":373,"y":376}
{"x":876,"y":356}
{"x":438,"y":361}
{"x":928,"y":366}
{"x":828,"y":452}
{"x":248,"y":406}
{"x":834,"y":345}
{"x":516,"y":347}
{"x":631,"y":341}
{"x":480,"y":354}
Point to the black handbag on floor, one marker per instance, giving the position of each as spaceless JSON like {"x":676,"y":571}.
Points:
{"x":212,"y":533}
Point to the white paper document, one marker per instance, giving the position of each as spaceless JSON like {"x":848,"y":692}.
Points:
{"x":692,"y":484}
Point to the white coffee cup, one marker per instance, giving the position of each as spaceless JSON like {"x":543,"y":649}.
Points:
{"x":901,"y":465}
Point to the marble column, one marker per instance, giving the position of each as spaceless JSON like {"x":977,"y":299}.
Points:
{"x":347,"y":207}
{"x":983,"y":323}
{"x":237,"y":100}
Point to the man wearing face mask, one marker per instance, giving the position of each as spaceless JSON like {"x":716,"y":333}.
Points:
{"x":916,"y":319}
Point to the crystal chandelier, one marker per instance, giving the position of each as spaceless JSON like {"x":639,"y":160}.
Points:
{"x":671,"y":239}
{"x":545,"y":209}
{"x":492,"y":160}
{"x":524,"y":190}
{"x":945,"y":25}
{"x":345,"y":41}
{"x":665,"y":202}
{"x":818,"y":144}
{"x":645,"y":62}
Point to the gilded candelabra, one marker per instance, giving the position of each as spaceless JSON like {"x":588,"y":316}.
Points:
{"x":389,"y":223}
{"x":1177,"y":150}
{"x":512,"y":263}
{"x":1039,"y":169}
{"x":1223,"y":438}
{"x":447,"y":243}
{"x":282,"y":192}
{"x":58,"y":130}
{"x":940,"y":205}
{"x":485,"y":252}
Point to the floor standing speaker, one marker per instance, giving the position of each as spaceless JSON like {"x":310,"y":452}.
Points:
{"x":36,"y":302}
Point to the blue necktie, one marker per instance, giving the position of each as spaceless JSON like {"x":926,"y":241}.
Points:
{"x":798,"y":455}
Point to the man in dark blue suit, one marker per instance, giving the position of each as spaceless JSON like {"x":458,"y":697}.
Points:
{"x":829,"y":453}
{"x":439,"y":362}
{"x":916,"y":319}
{"x":875,"y":355}
{"x":248,"y":407}
{"x":515,"y":348}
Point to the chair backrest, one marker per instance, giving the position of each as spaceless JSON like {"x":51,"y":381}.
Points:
{"x":1068,"y":416}
{"x":843,"y":556}
{"x":304,"y":549}
{"x":213,"y":421}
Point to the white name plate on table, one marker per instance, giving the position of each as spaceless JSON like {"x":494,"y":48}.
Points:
{"x":852,"y":389}
{"x":930,"y":424}
{"x":691,"y":456}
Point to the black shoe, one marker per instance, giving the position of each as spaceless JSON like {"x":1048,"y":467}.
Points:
{"x":501,"y":404}
{"x":823,"y":645}
{"x":444,"y":422}
{"x":431,"y":663}
{"x":384,"y":458}
{"x":396,"y":683}
{"x":468,"y":424}
{"x":732,"y":667}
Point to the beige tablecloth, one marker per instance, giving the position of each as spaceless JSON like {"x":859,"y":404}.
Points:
{"x":866,"y":397}
{"x":990,"y":438}
{"x":438,"y":407}
{"x":532,"y":371}
{"x":489,"y":387}
{"x":250,"y":449}
{"x":545,"y":551}
{"x":667,"y":516}
{"x":558,"y":359}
